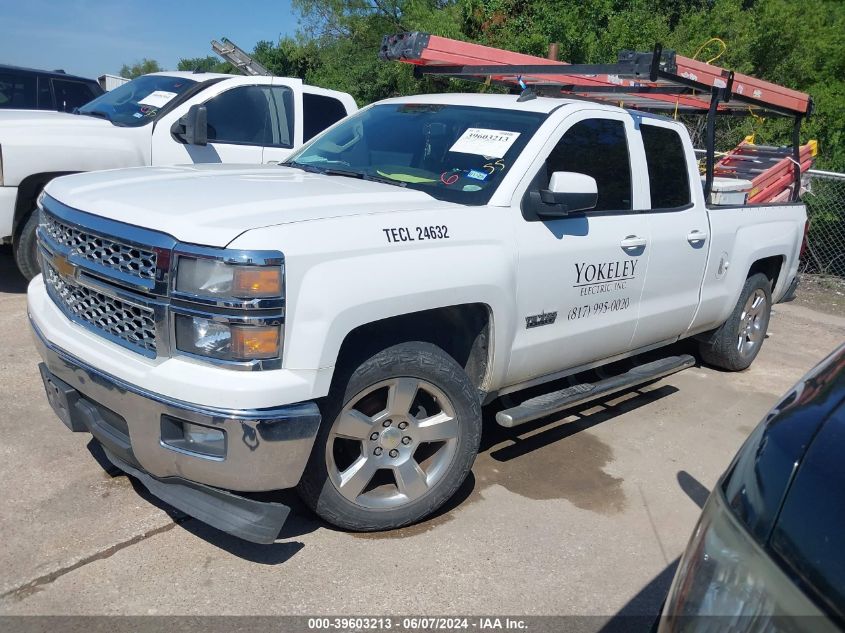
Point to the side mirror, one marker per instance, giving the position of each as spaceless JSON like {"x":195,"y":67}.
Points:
{"x":568,"y":192}
{"x":192,"y":128}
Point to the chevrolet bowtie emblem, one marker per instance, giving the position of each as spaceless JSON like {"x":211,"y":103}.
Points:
{"x":63,"y":266}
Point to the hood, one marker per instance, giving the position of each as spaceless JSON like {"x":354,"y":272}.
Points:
{"x":213,"y":204}
{"x":16,"y":120}
{"x":39,"y":142}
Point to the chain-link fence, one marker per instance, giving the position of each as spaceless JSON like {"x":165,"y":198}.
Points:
{"x":825,"y":199}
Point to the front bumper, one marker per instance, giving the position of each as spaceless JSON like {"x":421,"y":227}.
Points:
{"x":265,"y":449}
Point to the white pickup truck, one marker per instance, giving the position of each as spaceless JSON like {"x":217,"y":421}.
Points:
{"x":337,"y":323}
{"x":154,"y":120}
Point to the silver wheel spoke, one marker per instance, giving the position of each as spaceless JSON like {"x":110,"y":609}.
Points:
{"x":740,"y":342}
{"x":437,"y":428}
{"x":401,"y":395}
{"x":354,"y":479}
{"x":354,"y":425}
{"x":410,"y":479}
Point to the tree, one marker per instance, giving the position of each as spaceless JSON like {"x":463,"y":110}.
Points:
{"x":143,"y":67}
{"x":207,"y":64}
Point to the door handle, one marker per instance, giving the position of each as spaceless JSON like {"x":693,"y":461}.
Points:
{"x":696,"y":237}
{"x":632,"y":241}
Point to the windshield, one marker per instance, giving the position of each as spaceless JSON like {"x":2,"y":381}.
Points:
{"x":454,"y":153}
{"x":138,"y":101}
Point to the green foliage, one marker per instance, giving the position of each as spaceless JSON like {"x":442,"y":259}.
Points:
{"x":797,"y":43}
{"x":207,"y":64}
{"x":139,"y":68}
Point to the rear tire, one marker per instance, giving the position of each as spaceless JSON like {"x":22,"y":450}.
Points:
{"x":396,"y":442}
{"x":26,"y":247}
{"x":735,"y":344}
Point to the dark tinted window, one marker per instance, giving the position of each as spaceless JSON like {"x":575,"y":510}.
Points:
{"x":597,"y":148}
{"x":319,"y":113}
{"x":17,"y":91}
{"x":667,"y":167}
{"x":71,"y":94}
{"x":810,"y":532}
{"x":242,"y":115}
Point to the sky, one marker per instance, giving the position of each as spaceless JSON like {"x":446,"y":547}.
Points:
{"x":93,"y":37}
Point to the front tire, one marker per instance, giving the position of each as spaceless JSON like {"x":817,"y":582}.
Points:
{"x":735,"y":344}
{"x":396,"y":442}
{"x":26,"y":247}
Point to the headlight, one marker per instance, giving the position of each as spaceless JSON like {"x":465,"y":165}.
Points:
{"x":225,"y":341}
{"x":213,"y":278}
{"x":725,"y":572}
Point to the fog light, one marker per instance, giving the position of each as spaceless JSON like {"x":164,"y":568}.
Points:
{"x":195,"y":438}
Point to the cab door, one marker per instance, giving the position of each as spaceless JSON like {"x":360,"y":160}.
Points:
{"x":580,"y":277}
{"x":243,"y":118}
{"x":680,"y":237}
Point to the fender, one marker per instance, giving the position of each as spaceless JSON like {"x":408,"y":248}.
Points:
{"x":351,"y":275}
{"x":745,"y":235}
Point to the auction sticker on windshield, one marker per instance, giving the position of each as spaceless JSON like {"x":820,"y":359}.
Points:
{"x":482,"y":142}
{"x":157,"y":98}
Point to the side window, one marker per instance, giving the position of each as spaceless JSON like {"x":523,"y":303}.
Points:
{"x":241,"y":116}
{"x":597,"y":148}
{"x":17,"y":91}
{"x":281,"y":116}
{"x":667,"y":167}
{"x":45,"y":95}
{"x":71,"y":94}
{"x":319,"y":112}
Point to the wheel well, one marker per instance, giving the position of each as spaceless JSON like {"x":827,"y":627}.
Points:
{"x":462,"y":331}
{"x":28,"y":192}
{"x":769,"y":266}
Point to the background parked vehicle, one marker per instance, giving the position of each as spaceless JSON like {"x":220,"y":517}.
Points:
{"x":769,"y":548}
{"x":158,"y":119}
{"x":30,"y":89}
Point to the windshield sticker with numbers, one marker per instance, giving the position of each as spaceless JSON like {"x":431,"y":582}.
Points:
{"x":157,"y":98}
{"x":486,"y":143}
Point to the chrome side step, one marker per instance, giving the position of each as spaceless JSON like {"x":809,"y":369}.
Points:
{"x":550,"y":403}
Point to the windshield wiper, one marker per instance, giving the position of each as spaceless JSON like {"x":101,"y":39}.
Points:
{"x":96,"y":113}
{"x":349,"y":173}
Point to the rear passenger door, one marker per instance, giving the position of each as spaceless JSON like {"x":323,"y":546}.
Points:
{"x":580,"y":277}
{"x":679,"y":228}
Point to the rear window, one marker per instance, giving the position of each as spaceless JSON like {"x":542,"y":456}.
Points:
{"x":667,"y":167}
{"x":319,"y":113}
{"x":17,"y":91}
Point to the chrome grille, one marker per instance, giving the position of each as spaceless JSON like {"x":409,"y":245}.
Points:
{"x":133,"y":324}
{"x":107,"y":252}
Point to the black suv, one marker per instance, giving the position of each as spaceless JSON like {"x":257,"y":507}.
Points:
{"x":28,"y":89}
{"x":768,"y":553}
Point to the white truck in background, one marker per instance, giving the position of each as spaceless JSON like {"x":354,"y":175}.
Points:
{"x":335,"y":324}
{"x":157,"y":119}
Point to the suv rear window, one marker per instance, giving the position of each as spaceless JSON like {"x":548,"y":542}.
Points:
{"x":17,"y":91}
{"x":667,"y":167}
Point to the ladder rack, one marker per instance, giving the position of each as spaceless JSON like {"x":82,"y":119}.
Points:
{"x":660,"y":80}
